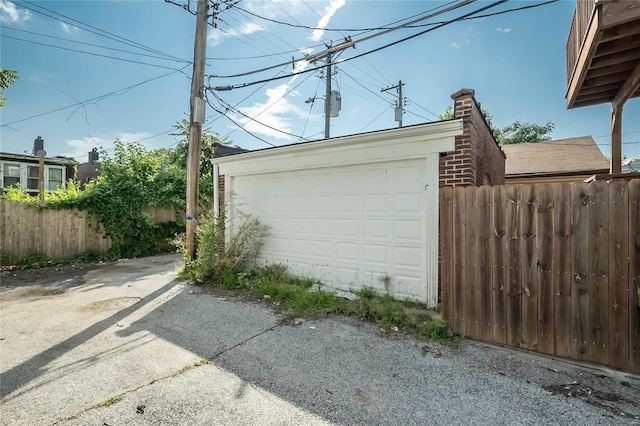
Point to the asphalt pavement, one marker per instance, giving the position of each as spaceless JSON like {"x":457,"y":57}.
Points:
{"x":128,"y":343}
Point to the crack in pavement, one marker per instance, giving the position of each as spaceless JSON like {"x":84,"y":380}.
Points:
{"x":168,"y":376}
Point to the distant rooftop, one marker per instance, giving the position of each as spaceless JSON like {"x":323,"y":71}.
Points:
{"x":62,"y":161}
{"x":562,"y":156}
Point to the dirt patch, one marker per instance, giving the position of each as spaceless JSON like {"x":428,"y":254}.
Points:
{"x":604,"y":400}
{"x":29,"y":292}
{"x":114,"y":304}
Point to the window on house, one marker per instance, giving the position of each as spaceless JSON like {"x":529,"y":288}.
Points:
{"x":55,"y":179}
{"x":11,"y":175}
{"x":33,"y":177}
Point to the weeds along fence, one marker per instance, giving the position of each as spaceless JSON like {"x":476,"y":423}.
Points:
{"x":553,"y":268}
{"x":57,"y":233}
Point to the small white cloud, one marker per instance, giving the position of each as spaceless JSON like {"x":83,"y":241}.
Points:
{"x":274,"y":112}
{"x":329,"y":11}
{"x":79,"y":148}
{"x":67,"y":28}
{"x":216,"y":35}
{"x":504,"y":30}
{"x":9,"y":13}
{"x":455,"y":45}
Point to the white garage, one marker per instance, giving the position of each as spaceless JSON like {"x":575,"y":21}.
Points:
{"x":352,"y":211}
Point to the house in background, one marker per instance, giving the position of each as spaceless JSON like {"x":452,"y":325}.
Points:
{"x":563,"y":160}
{"x":89,"y":170}
{"x":603,"y":61}
{"x":24,"y":169}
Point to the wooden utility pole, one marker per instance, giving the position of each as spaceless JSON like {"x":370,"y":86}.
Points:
{"x":400,"y":102}
{"x":327,"y":98}
{"x":195,"y":126}
{"x":41,"y":176}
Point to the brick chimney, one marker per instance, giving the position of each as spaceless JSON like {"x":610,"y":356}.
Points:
{"x":477,"y":159}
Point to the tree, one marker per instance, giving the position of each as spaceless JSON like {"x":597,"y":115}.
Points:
{"x":518,"y":132}
{"x":7,"y":78}
{"x":207,"y":149}
{"x":515,"y":132}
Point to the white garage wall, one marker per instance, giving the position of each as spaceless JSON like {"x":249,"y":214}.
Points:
{"x":350,"y":210}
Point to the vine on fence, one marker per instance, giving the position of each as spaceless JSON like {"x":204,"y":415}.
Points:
{"x":132,"y":177}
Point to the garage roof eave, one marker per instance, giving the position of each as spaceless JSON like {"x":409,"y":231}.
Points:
{"x":436,"y":131}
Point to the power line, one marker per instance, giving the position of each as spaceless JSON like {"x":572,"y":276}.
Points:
{"x":96,"y":45}
{"x":348,"y":42}
{"x":95,"y":30}
{"x":97,"y":98}
{"x":423,"y":108}
{"x":242,"y":85}
{"x":379,"y":115}
{"x":365,"y":88}
{"x":228,"y":107}
{"x":87,"y":53}
{"x":386,"y":27}
{"x":238,"y":125}
{"x":273,"y":103}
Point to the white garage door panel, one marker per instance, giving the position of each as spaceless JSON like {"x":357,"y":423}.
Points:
{"x":347,"y":226}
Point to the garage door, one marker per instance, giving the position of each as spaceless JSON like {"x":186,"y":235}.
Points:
{"x":348,"y":226}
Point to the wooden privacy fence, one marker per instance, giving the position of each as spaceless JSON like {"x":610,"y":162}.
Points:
{"x":553,"y":268}
{"x":58,"y":233}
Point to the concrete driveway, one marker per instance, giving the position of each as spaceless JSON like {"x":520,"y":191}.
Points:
{"x":123,"y":344}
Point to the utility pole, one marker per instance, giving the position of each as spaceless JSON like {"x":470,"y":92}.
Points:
{"x":195,"y":126}
{"x":327,"y":98}
{"x":399,"y":104}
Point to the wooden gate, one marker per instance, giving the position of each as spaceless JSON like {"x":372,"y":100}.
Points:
{"x":553,"y":268}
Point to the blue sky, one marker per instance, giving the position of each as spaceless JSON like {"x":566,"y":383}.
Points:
{"x":515,"y":62}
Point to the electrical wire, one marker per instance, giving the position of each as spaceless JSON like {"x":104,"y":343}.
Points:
{"x":274,"y":103}
{"x":377,"y":95}
{"x":95,"y":30}
{"x":352,"y":43}
{"x":228,"y":107}
{"x":94,"y":45}
{"x":423,"y":108}
{"x":97,"y":98}
{"x":386,"y":27}
{"x":88,"y":53}
{"x":242,"y":85}
{"x":310,"y":108}
{"x":238,"y":125}
{"x":379,"y":115}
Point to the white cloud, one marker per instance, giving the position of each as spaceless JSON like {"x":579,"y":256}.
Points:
{"x":79,"y":148}
{"x":67,"y":28}
{"x":275,"y":9}
{"x":329,"y":11}
{"x":216,"y":36}
{"x":504,"y":30}
{"x":11,"y":14}
{"x":274,"y":112}
{"x":278,"y":109}
{"x":455,"y":45}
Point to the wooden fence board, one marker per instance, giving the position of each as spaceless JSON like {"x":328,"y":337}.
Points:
{"x":472,"y":293}
{"x":529,"y":272}
{"x":599,"y":256}
{"x":459,"y":259}
{"x":514,"y":287}
{"x":549,"y":267}
{"x":545,"y":243}
{"x":56,"y":233}
{"x":499,"y":275}
{"x":581,"y":272}
{"x":446,"y":254}
{"x":634,"y":275}
{"x":485,"y":257}
{"x":562,"y":269}
{"x":618,"y":273}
